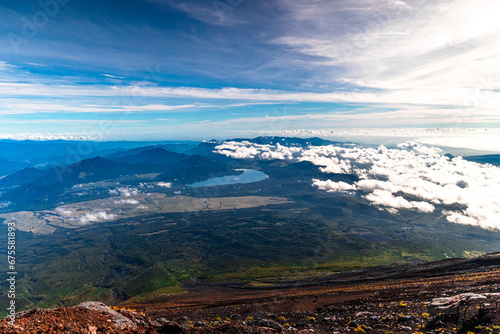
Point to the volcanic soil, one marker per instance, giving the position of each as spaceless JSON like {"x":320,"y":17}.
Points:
{"x":448,"y":296}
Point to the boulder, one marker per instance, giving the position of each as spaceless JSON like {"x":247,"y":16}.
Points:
{"x":266,"y":323}
{"x":118,"y":319}
{"x":450,"y":305}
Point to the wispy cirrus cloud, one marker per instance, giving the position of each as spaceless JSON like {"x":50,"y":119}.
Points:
{"x":350,"y":119}
{"x":231,"y":93}
{"x":5,"y":66}
{"x":47,"y":136}
{"x":112,"y":76}
{"x":76,"y":122}
{"x":419,"y":46}
{"x":15,"y":107}
{"x":361,"y":63}
{"x":211,"y":12}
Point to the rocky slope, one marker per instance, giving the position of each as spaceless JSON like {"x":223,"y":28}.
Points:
{"x":452,"y":296}
{"x":86,"y":318}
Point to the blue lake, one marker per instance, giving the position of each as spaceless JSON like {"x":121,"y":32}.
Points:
{"x":248,"y":176}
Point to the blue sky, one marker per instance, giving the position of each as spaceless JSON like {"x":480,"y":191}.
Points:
{"x":165,"y":69}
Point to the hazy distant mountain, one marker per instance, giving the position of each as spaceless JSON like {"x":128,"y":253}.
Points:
{"x":150,"y":156}
{"x":51,"y":183}
{"x":88,"y":170}
{"x":24,"y":176}
{"x":197,"y":168}
{"x":204,"y":148}
{"x":42,"y":187}
{"x":303,"y":171}
{"x":126,"y":153}
{"x":31,"y":153}
{"x":493,"y":159}
{"x":33,"y":196}
{"x":8,"y":167}
{"x":180,"y":147}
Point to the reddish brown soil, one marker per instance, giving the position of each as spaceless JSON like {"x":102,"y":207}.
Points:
{"x":393,"y":306}
{"x":76,"y":320}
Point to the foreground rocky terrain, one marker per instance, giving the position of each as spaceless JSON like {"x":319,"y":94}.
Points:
{"x":86,"y":318}
{"x":449,"y":296}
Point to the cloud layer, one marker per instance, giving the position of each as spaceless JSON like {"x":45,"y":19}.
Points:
{"x":412,"y":176}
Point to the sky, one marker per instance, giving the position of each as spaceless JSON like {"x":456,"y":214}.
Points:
{"x":166,"y":69}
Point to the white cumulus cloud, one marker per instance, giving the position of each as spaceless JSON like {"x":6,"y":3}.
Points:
{"x":127,"y":201}
{"x":412,"y":176}
{"x":96,"y":217}
{"x":64,"y":212}
{"x":331,"y":186}
{"x":124,"y":191}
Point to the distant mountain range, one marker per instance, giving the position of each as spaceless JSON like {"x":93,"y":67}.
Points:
{"x":186,"y":162}
{"x":32,"y":186}
{"x":8,"y":167}
{"x":493,"y":159}
{"x":22,"y":177}
{"x":155,"y":156}
{"x":16,"y":155}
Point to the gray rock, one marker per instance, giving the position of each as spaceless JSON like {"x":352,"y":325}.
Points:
{"x":266,"y":323}
{"x":118,"y":319}
{"x":450,"y":305}
{"x":404,"y":318}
